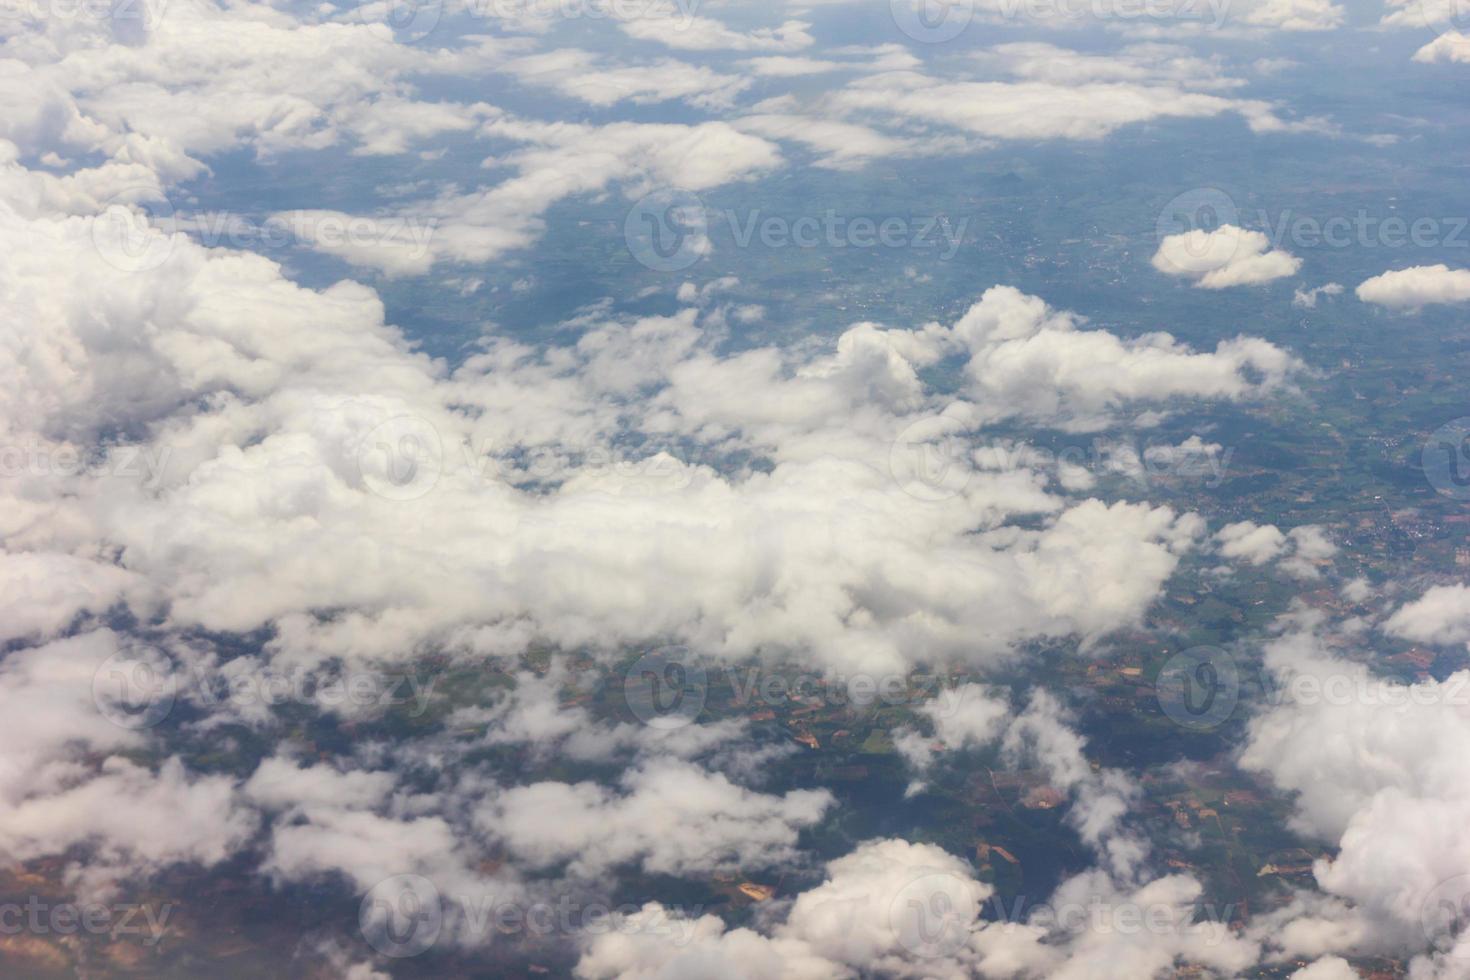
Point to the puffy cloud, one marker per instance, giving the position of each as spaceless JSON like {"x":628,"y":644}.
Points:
{"x":674,"y":25}
{"x":557,"y":161}
{"x":1441,"y":615}
{"x":1422,"y":285}
{"x":1451,"y":46}
{"x":1327,"y":968}
{"x":1378,"y":771}
{"x":1295,"y":15}
{"x":1306,"y":299}
{"x":1228,"y":256}
{"x":671,"y":818}
{"x":584,"y":76}
{"x":1035,"y":361}
{"x":1300,"y":551}
{"x":898,"y":909}
{"x":1256,"y":543}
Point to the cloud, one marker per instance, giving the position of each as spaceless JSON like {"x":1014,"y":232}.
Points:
{"x":670,"y":818}
{"x":899,"y":909}
{"x":1377,"y":769}
{"x":1306,"y":299}
{"x":1421,"y":285}
{"x":587,"y":77}
{"x":1441,"y":615}
{"x":1228,"y":256}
